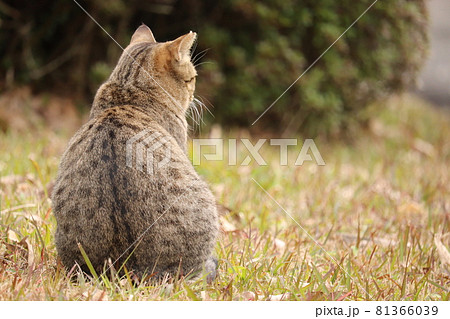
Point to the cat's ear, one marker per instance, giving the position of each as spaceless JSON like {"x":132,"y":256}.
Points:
{"x":142,"y":34}
{"x":181,"y":47}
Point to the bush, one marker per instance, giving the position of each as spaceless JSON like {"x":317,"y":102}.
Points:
{"x":379,"y":55}
{"x":258,"y":49}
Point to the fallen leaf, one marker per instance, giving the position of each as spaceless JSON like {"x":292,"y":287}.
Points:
{"x":344,"y":296}
{"x":12,"y":236}
{"x":204,"y":295}
{"x":248,"y":295}
{"x":444,"y":254}
{"x":99,"y":295}
{"x":167,"y":289}
{"x":424,"y":147}
{"x":315,"y":296}
{"x":30,"y":252}
{"x":411,"y":208}
{"x":280,"y":245}
{"x":226,"y":226}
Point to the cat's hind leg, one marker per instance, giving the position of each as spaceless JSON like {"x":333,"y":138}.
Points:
{"x":211,"y":269}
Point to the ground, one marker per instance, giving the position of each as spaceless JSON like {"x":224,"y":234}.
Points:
{"x":371,"y":224}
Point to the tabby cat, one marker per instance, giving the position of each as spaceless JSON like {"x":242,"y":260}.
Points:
{"x":161,"y":223}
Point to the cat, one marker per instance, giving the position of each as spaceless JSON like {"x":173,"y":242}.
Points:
{"x":161,"y":223}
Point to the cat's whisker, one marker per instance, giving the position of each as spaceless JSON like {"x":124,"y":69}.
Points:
{"x":189,"y":117}
{"x":200,"y":53}
{"x":192,"y":113}
{"x":199,"y":56}
{"x":199,"y":115}
{"x":194,"y":48}
{"x":193,"y":117}
{"x":206,"y":62}
{"x":204,"y":104}
{"x":201,"y":106}
{"x":196,"y":112}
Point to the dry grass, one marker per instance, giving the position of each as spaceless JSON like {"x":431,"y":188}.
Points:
{"x":380,"y":208}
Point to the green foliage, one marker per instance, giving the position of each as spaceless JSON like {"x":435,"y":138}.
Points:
{"x":258,"y":49}
{"x":269,"y":44}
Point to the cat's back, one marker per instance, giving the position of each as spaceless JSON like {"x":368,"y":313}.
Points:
{"x":107,"y":160}
{"x":106,"y":196}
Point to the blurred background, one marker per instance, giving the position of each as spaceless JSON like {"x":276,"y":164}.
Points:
{"x":434,"y":81}
{"x":53,"y":57}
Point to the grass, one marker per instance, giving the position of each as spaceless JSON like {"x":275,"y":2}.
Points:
{"x":372,"y":218}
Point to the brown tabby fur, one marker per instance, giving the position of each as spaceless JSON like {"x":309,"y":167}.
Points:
{"x":168,"y":220}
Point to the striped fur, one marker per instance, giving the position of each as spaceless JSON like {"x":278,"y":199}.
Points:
{"x":167,"y":219}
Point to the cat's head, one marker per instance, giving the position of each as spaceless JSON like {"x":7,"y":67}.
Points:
{"x":164,"y":70}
